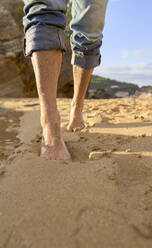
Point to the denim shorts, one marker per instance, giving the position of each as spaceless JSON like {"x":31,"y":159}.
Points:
{"x":44,"y":23}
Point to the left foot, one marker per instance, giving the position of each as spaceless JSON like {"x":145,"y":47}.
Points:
{"x":53,"y":146}
{"x":56,"y":151}
{"x":76,"y":122}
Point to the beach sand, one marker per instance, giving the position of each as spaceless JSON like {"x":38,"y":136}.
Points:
{"x":103,"y":199}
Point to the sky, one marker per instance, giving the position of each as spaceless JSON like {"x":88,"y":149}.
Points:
{"x":127,"y":43}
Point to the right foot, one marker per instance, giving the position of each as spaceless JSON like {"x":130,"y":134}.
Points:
{"x":76,"y":122}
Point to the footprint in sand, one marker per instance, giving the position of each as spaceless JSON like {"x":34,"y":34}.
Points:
{"x":2,"y":170}
{"x":97,"y":223}
{"x":131,"y":171}
{"x":143,"y":229}
{"x":95,"y":148}
{"x":83,"y":139}
{"x":146,"y":200}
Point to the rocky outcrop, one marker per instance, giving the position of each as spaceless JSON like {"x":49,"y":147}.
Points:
{"x":97,"y":94}
{"x":10,"y":47}
{"x":16,"y":73}
{"x":65,"y":85}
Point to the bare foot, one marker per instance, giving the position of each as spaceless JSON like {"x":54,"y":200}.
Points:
{"x":53,"y":146}
{"x":56,"y":151}
{"x":76,"y":122}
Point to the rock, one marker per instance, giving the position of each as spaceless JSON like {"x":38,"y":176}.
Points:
{"x":128,"y":150}
{"x":143,"y":135}
{"x":8,"y":28}
{"x":98,"y":155}
{"x":65,"y":90}
{"x":65,"y":86}
{"x":16,"y":73}
{"x":10,"y":47}
{"x":97,"y":94}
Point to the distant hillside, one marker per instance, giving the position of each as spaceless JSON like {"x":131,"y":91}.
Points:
{"x":114,"y":87}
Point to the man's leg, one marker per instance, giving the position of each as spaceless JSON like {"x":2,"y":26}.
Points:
{"x":81,"y":81}
{"x":44,"y":44}
{"x":87,"y":25}
{"x":46,"y":66}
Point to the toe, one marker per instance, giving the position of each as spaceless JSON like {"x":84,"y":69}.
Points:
{"x":73,"y":128}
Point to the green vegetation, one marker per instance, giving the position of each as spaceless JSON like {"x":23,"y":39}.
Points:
{"x":19,"y":14}
{"x":147,"y":89}
{"x":112,"y":86}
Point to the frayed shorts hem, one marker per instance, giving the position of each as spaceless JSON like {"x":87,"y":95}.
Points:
{"x":85,"y":61}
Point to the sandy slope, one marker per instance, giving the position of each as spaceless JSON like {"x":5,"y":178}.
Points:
{"x":102,"y":199}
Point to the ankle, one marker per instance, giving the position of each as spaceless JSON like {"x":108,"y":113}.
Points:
{"x":77,"y":105}
{"x":48,"y":119}
{"x":51,"y":135}
{"x":51,"y":128}
{"x":51,"y":141}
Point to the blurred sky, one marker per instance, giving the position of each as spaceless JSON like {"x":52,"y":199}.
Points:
{"x":127,"y":42}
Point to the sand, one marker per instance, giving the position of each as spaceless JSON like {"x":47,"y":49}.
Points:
{"x":103,"y":199}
